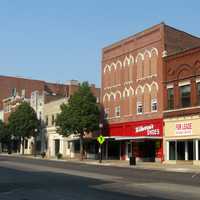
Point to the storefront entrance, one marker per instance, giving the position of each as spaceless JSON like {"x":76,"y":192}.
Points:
{"x":182,"y":150}
{"x":57,"y":146}
{"x":148,"y":150}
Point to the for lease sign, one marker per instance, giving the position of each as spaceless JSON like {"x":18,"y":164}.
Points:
{"x":184,"y":128}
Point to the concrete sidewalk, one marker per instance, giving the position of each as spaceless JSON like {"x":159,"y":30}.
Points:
{"x":119,"y":163}
{"x":143,"y":165}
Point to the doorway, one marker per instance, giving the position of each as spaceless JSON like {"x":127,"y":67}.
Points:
{"x":57,"y":146}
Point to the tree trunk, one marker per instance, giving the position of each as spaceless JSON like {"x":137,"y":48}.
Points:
{"x":23,"y":145}
{"x":81,"y":146}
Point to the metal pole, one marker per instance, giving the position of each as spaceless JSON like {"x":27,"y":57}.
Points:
{"x":100,"y":154}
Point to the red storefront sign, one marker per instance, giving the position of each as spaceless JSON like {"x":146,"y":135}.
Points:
{"x":147,"y":128}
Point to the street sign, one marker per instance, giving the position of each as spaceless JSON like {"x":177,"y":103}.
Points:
{"x":101,"y":139}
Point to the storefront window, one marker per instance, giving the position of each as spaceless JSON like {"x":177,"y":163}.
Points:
{"x":199,"y":150}
{"x":170,"y":98}
{"x":198,"y":92}
{"x":172,"y":150}
{"x":185,"y":95}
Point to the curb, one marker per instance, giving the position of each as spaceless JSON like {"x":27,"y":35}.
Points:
{"x":163,"y":168}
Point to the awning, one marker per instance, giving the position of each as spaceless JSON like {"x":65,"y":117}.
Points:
{"x":132,"y":137}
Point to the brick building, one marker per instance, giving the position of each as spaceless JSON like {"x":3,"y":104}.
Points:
{"x":182,"y":106}
{"x":132,"y":90}
{"x":15,"y":86}
{"x":14,"y":91}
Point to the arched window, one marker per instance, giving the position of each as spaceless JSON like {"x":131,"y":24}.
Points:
{"x":131,"y":101}
{"x":154,"y":97}
{"x":139,"y":61}
{"x":147,"y":99}
{"x":147,"y":64}
{"x":154,"y":61}
{"x":112,"y":104}
{"x":139,"y":100}
{"x":131,"y":65}
{"x":125,"y":101}
{"x":110,"y":79}
{"x":118,"y":71}
{"x":126,"y":73}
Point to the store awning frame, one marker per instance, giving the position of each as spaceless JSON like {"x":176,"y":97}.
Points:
{"x":119,"y":138}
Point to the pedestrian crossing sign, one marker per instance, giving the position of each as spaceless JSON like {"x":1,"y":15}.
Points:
{"x":101,"y":139}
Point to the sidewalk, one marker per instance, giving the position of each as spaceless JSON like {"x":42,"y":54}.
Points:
{"x":125,"y":164}
{"x":144,"y":165}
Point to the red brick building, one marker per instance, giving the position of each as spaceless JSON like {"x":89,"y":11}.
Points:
{"x":132,"y":90}
{"x":182,"y":106}
{"x":10,"y":86}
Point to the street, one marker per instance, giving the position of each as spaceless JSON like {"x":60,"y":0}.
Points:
{"x":35,"y":179}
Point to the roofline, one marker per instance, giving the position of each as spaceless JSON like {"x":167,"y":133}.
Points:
{"x":176,"y":29}
{"x":29,"y":79}
{"x":115,"y":44}
{"x":180,"y":53}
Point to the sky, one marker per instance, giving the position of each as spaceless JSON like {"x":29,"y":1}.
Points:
{"x":61,"y":40}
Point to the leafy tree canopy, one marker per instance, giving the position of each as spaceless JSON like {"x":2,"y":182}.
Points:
{"x":80,"y":114}
{"x":4,"y":133}
{"x":23,"y":121}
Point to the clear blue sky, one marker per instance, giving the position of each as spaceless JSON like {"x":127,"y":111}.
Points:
{"x":59,"y":40}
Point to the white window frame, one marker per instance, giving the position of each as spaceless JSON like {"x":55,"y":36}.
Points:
{"x":117,"y":111}
{"x":139,"y":104}
{"x":152,"y":103}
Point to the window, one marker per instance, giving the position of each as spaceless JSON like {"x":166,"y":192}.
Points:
{"x":40,"y":116}
{"x":172,"y":150}
{"x":47,"y":121}
{"x":52,"y":120}
{"x":26,"y":144}
{"x":14,"y":92}
{"x":106,"y":113}
{"x":170,"y":98}
{"x":139,"y":108}
{"x":23,"y":93}
{"x":185,"y":95}
{"x":117,"y":111}
{"x":68,"y":145}
{"x":154,"y":105}
{"x":198,"y":92}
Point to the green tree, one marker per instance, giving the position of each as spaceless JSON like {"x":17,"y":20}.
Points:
{"x":5,"y":137}
{"x":80,"y":115}
{"x":23,"y":123}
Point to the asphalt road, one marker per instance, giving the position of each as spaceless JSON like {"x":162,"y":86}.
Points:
{"x":30,"y":179}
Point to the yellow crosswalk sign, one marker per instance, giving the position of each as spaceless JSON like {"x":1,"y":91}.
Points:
{"x":101,"y":139}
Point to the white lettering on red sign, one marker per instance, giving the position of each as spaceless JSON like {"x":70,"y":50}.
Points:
{"x":143,"y":128}
{"x":150,"y":130}
{"x":184,"y":128}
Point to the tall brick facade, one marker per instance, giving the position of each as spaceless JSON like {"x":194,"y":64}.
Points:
{"x":132,"y":83}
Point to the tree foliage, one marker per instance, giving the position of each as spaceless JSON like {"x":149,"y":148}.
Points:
{"x":23,"y":121}
{"x":80,"y":115}
{"x":4,"y":133}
